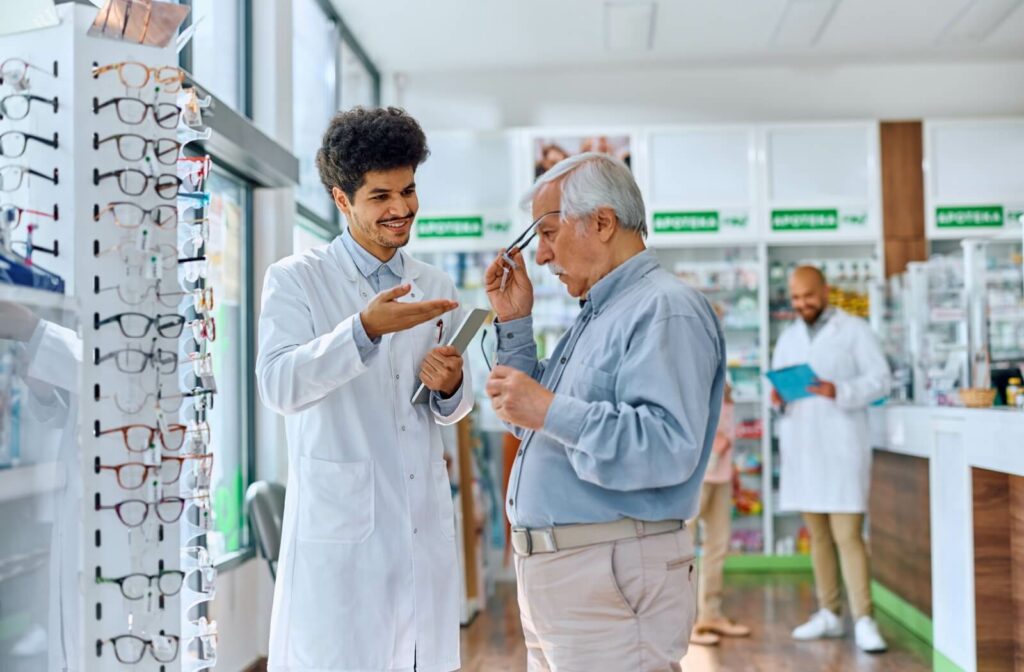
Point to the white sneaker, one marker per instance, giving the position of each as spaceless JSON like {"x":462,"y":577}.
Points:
{"x":867,"y":635}
{"x":821,"y":625}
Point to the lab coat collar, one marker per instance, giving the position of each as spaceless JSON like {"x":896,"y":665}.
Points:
{"x":348,"y":266}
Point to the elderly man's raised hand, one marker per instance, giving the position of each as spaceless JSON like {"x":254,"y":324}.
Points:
{"x":509,"y":289}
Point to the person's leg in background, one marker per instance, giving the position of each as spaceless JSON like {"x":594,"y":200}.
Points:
{"x":826,"y":621}
{"x":847,"y":530}
{"x":717,"y":516}
{"x":697,"y":637}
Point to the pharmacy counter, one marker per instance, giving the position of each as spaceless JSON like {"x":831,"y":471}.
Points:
{"x":947,"y":529}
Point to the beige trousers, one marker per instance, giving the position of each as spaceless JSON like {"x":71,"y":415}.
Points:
{"x":716,"y":512}
{"x":626,"y":606}
{"x":843,"y":531}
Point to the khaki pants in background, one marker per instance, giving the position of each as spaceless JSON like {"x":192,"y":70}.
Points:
{"x":830,"y":531}
{"x":626,"y":606}
{"x":716,"y":512}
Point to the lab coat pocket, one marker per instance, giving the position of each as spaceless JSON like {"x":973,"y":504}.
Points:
{"x":445,"y":507}
{"x":336,"y":503}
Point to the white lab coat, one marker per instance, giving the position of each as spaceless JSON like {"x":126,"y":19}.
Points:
{"x":825,"y":444}
{"x":368,"y":572}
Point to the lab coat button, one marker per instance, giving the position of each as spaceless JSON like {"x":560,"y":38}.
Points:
{"x":412,"y":476}
{"x":511,"y":502}
{"x":403,"y":428}
{"x":415,"y":530}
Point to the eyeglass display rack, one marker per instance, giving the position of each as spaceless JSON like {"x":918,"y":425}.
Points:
{"x":122,"y":620}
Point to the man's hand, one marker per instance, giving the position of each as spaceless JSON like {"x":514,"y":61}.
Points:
{"x":442,"y":370}
{"x":776,"y":399}
{"x":515,"y":300}
{"x":823,"y":388}
{"x":517,"y":398}
{"x":385,"y":315}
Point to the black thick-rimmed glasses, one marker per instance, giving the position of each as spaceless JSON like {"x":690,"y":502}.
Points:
{"x":137,"y":586}
{"x":12,"y":177}
{"x":129,"y":649}
{"x":134,"y":182}
{"x":138,"y":325}
{"x":16,"y":106}
{"x":133,"y":111}
{"x":13,"y":143}
{"x":133,"y":147}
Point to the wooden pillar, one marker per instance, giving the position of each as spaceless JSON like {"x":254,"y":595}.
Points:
{"x":902,"y":156}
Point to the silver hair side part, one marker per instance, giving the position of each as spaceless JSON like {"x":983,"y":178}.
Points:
{"x":593,"y":180}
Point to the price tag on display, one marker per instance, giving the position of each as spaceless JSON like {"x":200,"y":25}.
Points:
{"x":163,"y":647}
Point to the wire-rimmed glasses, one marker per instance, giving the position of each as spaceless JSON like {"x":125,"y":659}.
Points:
{"x":138,"y":325}
{"x":129,"y":649}
{"x":16,"y":106}
{"x":134,"y":147}
{"x":135,"y":75}
{"x":133,"y":111}
{"x":137,"y":586}
{"x":130,"y":404}
{"x":128,"y":215}
{"x":521,"y":243}
{"x":13,"y":143}
{"x":15,"y":72}
{"x":13,"y":176}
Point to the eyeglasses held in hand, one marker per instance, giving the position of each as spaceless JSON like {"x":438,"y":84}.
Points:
{"x":13,"y":143}
{"x":137,"y":325}
{"x":12,"y":177}
{"x":129,"y":649}
{"x":10,"y":215}
{"x":129,"y":215}
{"x":133,"y":147}
{"x":483,"y":349}
{"x":133,"y":111}
{"x":520,"y":243}
{"x":135,"y":75}
{"x":16,"y":106}
{"x":15,"y":72}
{"x":137,"y":586}
{"x":134,"y":182}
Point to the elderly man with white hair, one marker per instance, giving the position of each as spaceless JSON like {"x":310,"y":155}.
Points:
{"x":616,"y":429}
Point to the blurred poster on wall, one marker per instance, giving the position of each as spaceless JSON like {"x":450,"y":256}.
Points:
{"x":548,"y":151}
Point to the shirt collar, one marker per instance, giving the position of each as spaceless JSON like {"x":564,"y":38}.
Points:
{"x":620,"y":278}
{"x":822,"y":320}
{"x":367,"y":263}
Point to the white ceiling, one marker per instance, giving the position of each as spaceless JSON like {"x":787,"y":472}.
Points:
{"x":443,"y":35}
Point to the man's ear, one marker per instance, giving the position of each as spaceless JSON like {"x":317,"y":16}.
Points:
{"x":341,"y":200}
{"x":607,"y":223}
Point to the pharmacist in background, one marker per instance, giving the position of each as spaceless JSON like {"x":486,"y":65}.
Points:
{"x":826,"y":450}
{"x":716,"y":515}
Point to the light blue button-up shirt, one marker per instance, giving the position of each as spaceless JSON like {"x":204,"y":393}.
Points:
{"x":638,"y":382}
{"x":382,"y":276}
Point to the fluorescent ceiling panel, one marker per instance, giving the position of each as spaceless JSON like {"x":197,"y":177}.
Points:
{"x":803,"y":22}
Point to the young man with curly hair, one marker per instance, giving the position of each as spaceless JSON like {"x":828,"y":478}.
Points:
{"x":368,"y":575}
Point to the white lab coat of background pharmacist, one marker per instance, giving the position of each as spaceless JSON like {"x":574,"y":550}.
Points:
{"x":825,"y":444}
{"x":368,"y":574}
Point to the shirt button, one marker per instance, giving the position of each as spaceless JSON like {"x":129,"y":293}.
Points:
{"x":403,"y":428}
{"x":511,"y":502}
{"x":364,"y":294}
{"x":412,"y":476}
{"x":415,"y":530}
{"x":510,"y":336}
{"x":520,"y":452}
{"x":563,"y":360}
{"x":397,"y":376}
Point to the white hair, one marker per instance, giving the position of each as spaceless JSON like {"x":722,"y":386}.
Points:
{"x":591,"y":181}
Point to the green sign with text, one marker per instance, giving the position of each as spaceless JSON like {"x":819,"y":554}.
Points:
{"x":968,"y":217}
{"x":705,"y":221}
{"x":450,"y":227}
{"x":805,"y":220}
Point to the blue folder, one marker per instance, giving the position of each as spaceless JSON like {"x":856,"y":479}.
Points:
{"x":792,"y":382}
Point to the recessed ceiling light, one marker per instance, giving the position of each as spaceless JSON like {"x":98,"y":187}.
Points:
{"x":629,"y":26}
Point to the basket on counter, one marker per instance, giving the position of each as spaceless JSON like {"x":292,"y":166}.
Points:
{"x":977,"y":397}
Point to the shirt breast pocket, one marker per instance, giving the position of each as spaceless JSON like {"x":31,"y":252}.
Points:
{"x":593,"y":384}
